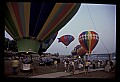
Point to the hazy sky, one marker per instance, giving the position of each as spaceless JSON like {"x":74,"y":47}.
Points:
{"x":104,"y":19}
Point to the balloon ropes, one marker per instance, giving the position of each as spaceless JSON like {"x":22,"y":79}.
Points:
{"x":66,"y":39}
{"x":31,"y":23}
{"x":96,"y":29}
{"x":89,"y":50}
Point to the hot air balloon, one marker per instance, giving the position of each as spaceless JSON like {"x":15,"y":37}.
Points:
{"x":81,"y":51}
{"x":66,"y":39}
{"x":31,"y":23}
{"x":74,"y":52}
{"x":77,"y":47}
{"x":88,"y":40}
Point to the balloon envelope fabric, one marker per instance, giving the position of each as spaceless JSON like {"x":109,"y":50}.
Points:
{"x":88,"y":40}
{"x":30,"y":23}
{"x":80,"y":50}
{"x":66,"y":39}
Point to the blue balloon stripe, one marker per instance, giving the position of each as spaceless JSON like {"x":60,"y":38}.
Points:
{"x":43,"y":15}
{"x":34,"y":14}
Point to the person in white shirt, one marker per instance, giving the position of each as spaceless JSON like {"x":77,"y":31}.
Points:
{"x":55,"y":64}
{"x":65,"y":65}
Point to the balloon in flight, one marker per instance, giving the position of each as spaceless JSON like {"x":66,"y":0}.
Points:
{"x":88,"y":40}
{"x":66,"y":39}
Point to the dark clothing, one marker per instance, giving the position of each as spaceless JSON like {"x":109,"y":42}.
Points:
{"x":14,"y":70}
{"x":86,"y":67}
{"x":93,"y":66}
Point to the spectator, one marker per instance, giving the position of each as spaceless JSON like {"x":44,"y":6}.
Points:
{"x":80,"y":66}
{"x":107,"y":67}
{"x":93,"y":63}
{"x":55,"y":64}
{"x":73,"y":66}
{"x":99,"y":64}
{"x":15,"y":63}
{"x":112,"y":66}
{"x":86,"y":67}
{"x":68,"y":65}
{"x":65,"y":65}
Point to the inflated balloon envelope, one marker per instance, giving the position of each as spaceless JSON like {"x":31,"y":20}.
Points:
{"x":66,"y":39}
{"x":31,"y":23}
{"x":80,"y":50}
{"x":88,"y":40}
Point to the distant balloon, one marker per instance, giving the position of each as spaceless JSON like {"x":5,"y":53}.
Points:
{"x":88,"y":40}
{"x":31,"y":23}
{"x":79,"y":50}
{"x":74,"y":52}
{"x":66,"y":39}
{"x":77,"y":47}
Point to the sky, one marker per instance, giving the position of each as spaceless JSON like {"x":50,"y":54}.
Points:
{"x":100,"y":18}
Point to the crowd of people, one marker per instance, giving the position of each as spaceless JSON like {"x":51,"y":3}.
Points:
{"x":70,"y":65}
{"x":85,"y":65}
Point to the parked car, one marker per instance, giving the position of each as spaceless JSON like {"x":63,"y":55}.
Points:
{"x":45,"y":61}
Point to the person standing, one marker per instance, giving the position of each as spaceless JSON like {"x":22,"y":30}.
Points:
{"x":68,"y":65}
{"x":55,"y":64}
{"x":86,"y":66}
{"x":65,"y":65}
{"x":73,"y":66}
{"x":108,"y":67}
{"x":15,"y":63}
{"x":112,"y":66}
{"x":80,"y":67}
{"x":93,"y":63}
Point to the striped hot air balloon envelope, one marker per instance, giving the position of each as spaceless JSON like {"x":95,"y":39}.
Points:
{"x":74,"y":52}
{"x":30,"y":23}
{"x":80,"y":51}
{"x":88,"y":40}
{"x":77,"y":47}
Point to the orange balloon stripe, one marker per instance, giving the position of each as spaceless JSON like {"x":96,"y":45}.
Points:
{"x":89,"y":44}
{"x":27,"y":16}
{"x":83,"y":44}
{"x":94,"y":41}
